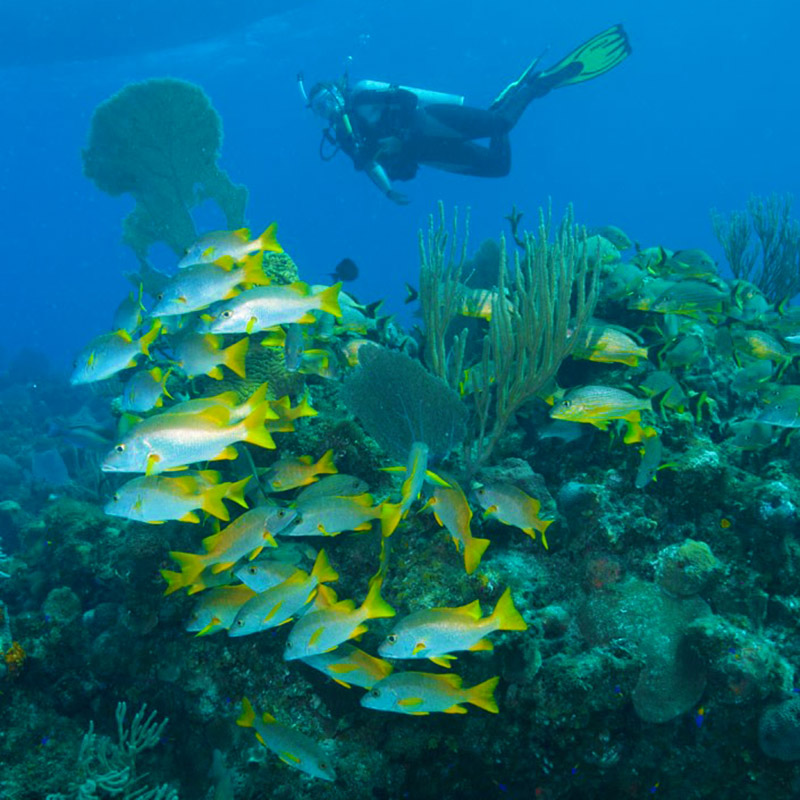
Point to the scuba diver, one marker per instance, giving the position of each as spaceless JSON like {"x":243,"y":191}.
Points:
{"x":389,"y":131}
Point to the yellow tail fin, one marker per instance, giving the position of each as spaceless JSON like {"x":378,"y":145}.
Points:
{"x":248,"y":716}
{"x":482,"y":695}
{"x":325,"y":465}
{"x":255,"y":432}
{"x":505,"y":617}
{"x":212,"y":502}
{"x":145,"y":341}
{"x":235,"y":492}
{"x":235,"y":355}
{"x":390,"y":517}
{"x":254,"y":271}
{"x":473,"y":553}
{"x":191,"y":566}
{"x":375,"y":605}
{"x":322,"y":569}
{"x":267,"y":240}
{"x":329,"y":300}
{"x":174,"y":581}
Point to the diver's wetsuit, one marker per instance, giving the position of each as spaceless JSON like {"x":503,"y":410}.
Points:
{"x":393,"y":129}
{"x":389,"y":131}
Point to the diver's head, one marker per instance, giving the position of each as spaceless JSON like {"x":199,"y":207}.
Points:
{"x":326,"y":100}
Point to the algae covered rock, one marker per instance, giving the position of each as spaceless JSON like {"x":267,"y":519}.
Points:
{"x":685,"y":569}
{"x":673,"y":677}
{"x":779,"y":731}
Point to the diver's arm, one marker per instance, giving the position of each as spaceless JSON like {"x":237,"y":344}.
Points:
{"x":377,"y":174}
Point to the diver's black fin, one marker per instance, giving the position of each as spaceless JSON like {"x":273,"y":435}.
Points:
{"x":592,"y":59}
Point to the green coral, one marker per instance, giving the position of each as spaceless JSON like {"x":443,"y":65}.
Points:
{"x":159,"y":141}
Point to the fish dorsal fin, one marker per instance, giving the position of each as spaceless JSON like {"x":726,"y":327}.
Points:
{"x":225,"y":262}
{"x":124,"y":335}
{"x":300,"y":287}
{"x":267,"y":718}
{"x":472,"y":609}
{"x":344,"y":606}
{"x":212,"y":340}
{"x":306,"y":460}
{"x":452,"y":680}
{"x":219,"y":415}
{"x":210,"y":542}
{"x":243,"y":234}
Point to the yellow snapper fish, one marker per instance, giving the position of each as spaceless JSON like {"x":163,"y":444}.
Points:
{"x":326,"y":628}
{"x":751,"y":377}
{"x":350,"y":350}
{"x":265,"y":573}
{"x":156,"y":499}
{"x":266,"y":306}
{"x":651,"y":452}
{"x":229,"y":400}
{"x":291,"y":473}
{"x":172,"y":441}
{"x":110,"y":353}
{"x":608,"y":344}
{"x":200,"y":285}
{"x":452,"y":511}
{"x":330,"y":516}
{"x":205,"y":580}
{"x":648,"y":292}
{"x":600,"y":405}
{"x":145,"y":390}
{"x":664,"y":385}
{"x":286,"y":412}
{"x":762,"y":346}
{"x":479,"y":303}
{"x":236,"y":244}
{"x":421,"y":693}
{"x":782,"y":406}
{"x":349,"y":666}
{"x":245,"y":537}
{"x":203,"y":354}
{"x":292,"y":747}
{"x":686,"y":352}
{"x":437,"y":632}
{"x":281,"y":603}
{"x":688,"y":264}
{"x":416,"y":471}
{"x":690,"y":298}
{"x":130,"y":312}
{"x":339,"y":485}
{"x":217,"y":609}
{"x":750,"y":434}
{"x":511,"y":506}
{"x":293,"y":346}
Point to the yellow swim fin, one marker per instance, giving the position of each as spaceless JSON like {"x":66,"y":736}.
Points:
{"x":593,"y":58}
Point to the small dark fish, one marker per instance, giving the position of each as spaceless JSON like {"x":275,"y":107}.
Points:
{"x":346,"y":270}
{"x":413,"y":294}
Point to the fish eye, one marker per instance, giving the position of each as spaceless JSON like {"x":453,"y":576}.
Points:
{"x":282,"y":513}
{"x":289,"y":644}
{"x":227,"y":314}
{"x":568,"y":404}
{"x":375,"y":693}
{"x":120,"y":448}
{"x":297,"y":520}
{"x":160,"y":296}
{"x":115,"y":498}
{"x":252,"y":570}
{"x":391,"y":638}
{"x":239,"y":623}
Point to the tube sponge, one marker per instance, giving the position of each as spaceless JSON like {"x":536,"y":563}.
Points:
{"x":159,"y":141}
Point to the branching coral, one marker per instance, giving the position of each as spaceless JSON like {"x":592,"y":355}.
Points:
{"x":772,"y":260}
{"x":159,"y":141}
{"x":534,"y":325}
{"x":108,"y":769}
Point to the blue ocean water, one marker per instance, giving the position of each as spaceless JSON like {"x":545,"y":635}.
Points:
{"x":700,"y":116}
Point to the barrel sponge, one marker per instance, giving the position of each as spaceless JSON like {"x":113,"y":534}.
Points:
{"x":779,"y":731}
{"x":159,"y":141}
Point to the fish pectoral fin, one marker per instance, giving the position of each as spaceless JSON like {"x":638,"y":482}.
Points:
{"x":339,"y":669}
{"x":255,"y":553}
{"x":289,"y":758}
{"x":442,"y":661}
{"x":342,"y":683}
{"x":272,"y":612}
{"x":314,"y":638}
{"x":456,"y":709}
{"x":410,"y":702}
{"x":418,"y":647}
{"x":228,"y":454}
{"x":489,"y":511}
{"x":482,"y":644}
{"x":359,"y":632}
{"x":152,"y":461}
{"x":217,"y":568}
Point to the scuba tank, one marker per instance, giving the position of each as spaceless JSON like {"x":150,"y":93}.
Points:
{"x":424,"y":96}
